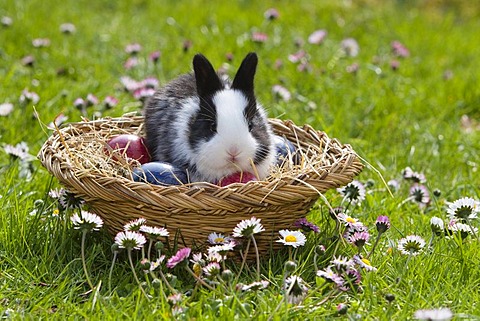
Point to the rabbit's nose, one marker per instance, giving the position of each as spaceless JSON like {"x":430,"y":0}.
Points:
{"x":233,"y":153}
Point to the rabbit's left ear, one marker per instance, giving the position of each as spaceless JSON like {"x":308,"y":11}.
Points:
{"x":244,"y":78}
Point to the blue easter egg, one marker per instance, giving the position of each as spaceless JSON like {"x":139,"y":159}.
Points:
{"x":160,"y":173}
{"x":285,"y":150}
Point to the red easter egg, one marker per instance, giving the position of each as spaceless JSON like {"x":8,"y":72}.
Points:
{"x":132,"y":146}
{"x":237,"y":178}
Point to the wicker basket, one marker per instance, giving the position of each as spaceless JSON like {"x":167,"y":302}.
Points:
{"x":75,"y":155}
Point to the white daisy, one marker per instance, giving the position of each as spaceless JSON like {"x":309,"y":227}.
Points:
{"x":463,"y":228}
{"x":153,"y":231}
{"x":296,"y":289}
{"x":354,"y":192}
{"x":443,"y":314}
{"x":5,"y":109}
{"x":247,"y":228}
{"x":292,"y":238}
{"x":465,"y":208}
{"x":135,"y":225}
{"x":130,"y":240}
{"x":222,"y":249}
{"x":255,"y":286}
{"x":349,"y":221}
{"x":218,"y":238}
{"x":212,"y":269}
{"x":411,"y":245}
{"x":342,"y":263}
{"x":86,"y":221}
{"x":364,"y":263}
{"x":437,"y":225}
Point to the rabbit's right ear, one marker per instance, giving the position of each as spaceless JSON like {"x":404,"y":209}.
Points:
{"x":206,"y":78}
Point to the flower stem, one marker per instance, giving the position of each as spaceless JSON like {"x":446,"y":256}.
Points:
{"x":111,"y":271}
{"x":84,"y":235}
{"x":129,"y":251}
{"x":198,"y":279}
{"x":258,"y":257}
{"x":244,"y":260}
{"x":374,"y":245}
{"x":149,"y":249}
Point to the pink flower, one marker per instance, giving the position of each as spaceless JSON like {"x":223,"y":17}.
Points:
{"x":399,"y":49}
{"x":297,"y":57}
{"x":110,"y":102}
{"x":271,"y":14}
{"x":259,"y":37}
{"x":133,"y":49}
{"x":130,"y":63}
{"x":155,"y":56}
{"x":179,"y":257}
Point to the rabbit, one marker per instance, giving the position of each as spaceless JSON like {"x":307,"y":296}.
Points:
{"x":209,"y":126}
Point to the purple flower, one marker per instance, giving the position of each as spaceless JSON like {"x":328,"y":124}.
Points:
{"x":19,"y":151}
{"x":317,"y":36}
{"x":271,"y":14}
{"x":399,"y":49}
{"x":359,"y":239}
{"x":306,"y":226}
{"x":382,"y":223}
{"x":259,"y":37}
{"x":179,"y":257}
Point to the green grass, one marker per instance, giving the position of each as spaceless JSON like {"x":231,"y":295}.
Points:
{"x":392,"y":118}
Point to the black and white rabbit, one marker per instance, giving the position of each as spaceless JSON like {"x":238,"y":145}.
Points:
{"x":210,"y":126}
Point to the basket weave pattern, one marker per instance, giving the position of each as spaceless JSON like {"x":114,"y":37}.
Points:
{"x":75,"y":155}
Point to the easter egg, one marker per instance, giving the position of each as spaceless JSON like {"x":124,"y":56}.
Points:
{"x":285,"y":150}
{"x":132,"y":146}
{"x":237,"y":178}
{"x":160,"y":173}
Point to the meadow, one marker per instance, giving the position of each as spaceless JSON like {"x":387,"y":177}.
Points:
{"x":397,"y":80}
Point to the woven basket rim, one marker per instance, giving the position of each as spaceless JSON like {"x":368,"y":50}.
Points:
{"x":188,"y":186}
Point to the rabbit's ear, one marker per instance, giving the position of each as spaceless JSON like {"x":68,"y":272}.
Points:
{"x":206,"y":78}
{"x":244,"y":78}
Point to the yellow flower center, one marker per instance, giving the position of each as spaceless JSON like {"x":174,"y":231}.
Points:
{"x":56,"y":212}
{"x":290,"y":238}
{"x":350,"y":220}
{"x":366,"y":261}
{"x":219,"y":240}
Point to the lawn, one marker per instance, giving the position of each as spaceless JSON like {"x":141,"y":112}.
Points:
{"x":397,"y":80}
